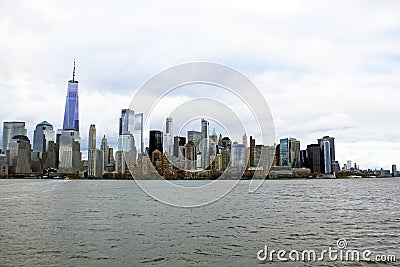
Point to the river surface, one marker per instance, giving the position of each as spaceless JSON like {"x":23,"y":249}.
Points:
{"x":114,"y":223}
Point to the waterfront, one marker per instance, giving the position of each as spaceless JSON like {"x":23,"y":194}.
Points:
{"x":95,"y":222}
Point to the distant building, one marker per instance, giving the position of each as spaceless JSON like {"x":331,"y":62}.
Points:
{"x":277,"y":155}
{"x":168,"y":143}
{"x":252,"y":147}
{"x":195,"y":137}
{"x":244,"y":140}
{"x":42,"y":136}
{"x":304,"y":158}
{"x":106,"y":154}
{"x":155,"y":142}
{"x":331,"y":141}
{"x":3,"y":166}
{"x":335,"y":166}
{"x":348,"y":165}
{"x":19,"y":155}
{"x":11,"y":129}
{"x":314,"y":158}
{"x":214,"y":137}
{"x":126,"y":145}
{"x":238,"y":156}
{"x":179,"y":143}
{"x":264,"y":157}
{"x":71,"y":113}
{"x":205,"y":147}
{"x":395,"y":173}
{"x":191,"y":156}
{"x":326,"y":156}
{"x":69,"y":152}
{"x":290,"y":152}
{"x":95,"y":156}
{"x":218,"y":162}
{"x":132,"y":123}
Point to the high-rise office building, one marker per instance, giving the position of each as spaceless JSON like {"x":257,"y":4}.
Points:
{"x":314,"y":158}
{"x":326,"y":156}
{"x":190,"y":156}
{"x":395,"y":173}
{"x":179,"y":144}
{"x":168,"y":137}
{"x":244,"y":140}
{"x":104,"y":147}
{"x":304,"y":158}
{"x":156,"y":141}
{"x":251,"y":154}
{"x":205,"y":144}
{"x":71,"y":114}
{"x":127,"y":121}
{"x":290,"y":152}
{"x":42,"y":136}
{"x":214,"y":137}
{"x":276,"y":161}
{"x":349,"y":165}
{"x":132,"y":123}
{"x":238,"y":156}
{"x":92,"y":151}
{"x":69,"y":152}
{"x":19,"y":155}
{"x":331,"y":141}
{"x":92,"y":137}
{"x":11,"y":129}
{"x":3,"y":166}
{"x":213,"y":143}
{"x":195,"y":137}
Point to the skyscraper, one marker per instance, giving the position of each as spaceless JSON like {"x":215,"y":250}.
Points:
{"x":252,"y":146}
{"x":168,"y":137}
{"x":331,"y":141}
{"x":11,"y":129}
{"x":395,"y":173}
{"x":71,"y":114}
{"x":104,"y":147}
{"x":195,"y":137}
{"x":131,"y":122}
{"x":205,"y":144}
{"x":42,"y":135}
{"x":326,"y":156}
{"x":92,"y":150}
{"x":244,"y":140}
{"x":69,"y":152}
{"x":155,"y":142}
{"x":290,"y":152}
{"x":179,"y":143}
{"x":238,"y":156}
{"x":19,"y":155}
{"x":314,"y":158}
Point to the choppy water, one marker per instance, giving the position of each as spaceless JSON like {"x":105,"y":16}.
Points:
{"x":114,"y":223}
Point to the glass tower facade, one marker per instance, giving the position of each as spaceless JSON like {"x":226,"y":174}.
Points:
{"x":132,"y":123}
{"x":11,"y":129}
{"x":71,"y":114}
{"x":42,"y":135}
{"x":205,"y":144}
{"x":326,"y":153}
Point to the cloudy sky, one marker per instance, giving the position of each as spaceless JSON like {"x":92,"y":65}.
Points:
{"x":324,"y":68}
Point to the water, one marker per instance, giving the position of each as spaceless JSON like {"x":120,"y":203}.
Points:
{"x":114,"y":223}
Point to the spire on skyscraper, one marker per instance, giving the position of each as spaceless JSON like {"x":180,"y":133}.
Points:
{"x":73,"y":73}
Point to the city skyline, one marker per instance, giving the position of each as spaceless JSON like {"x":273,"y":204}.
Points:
{"x":320,"y":76}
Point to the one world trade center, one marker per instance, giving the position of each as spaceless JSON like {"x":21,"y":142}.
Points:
{"x":71,"y":114}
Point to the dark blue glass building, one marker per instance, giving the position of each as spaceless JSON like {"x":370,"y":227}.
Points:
{"x":71,"y":114}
